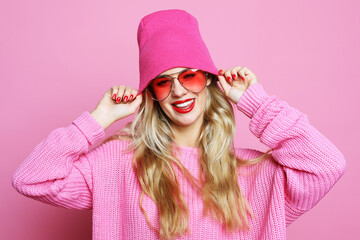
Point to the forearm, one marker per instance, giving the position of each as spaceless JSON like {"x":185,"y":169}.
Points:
{"x":58,"y":170}
{"x":310,"y":162}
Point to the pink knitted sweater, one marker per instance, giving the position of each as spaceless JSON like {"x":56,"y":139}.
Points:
{"x":61,"y":171}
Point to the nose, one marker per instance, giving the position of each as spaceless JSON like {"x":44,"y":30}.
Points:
{"x":178,"y":90}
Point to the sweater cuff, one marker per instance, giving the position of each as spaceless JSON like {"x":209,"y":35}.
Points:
{"x":251,"y":99}
{"x":91,"y":129}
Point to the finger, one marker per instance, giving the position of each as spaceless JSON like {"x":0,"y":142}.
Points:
{"x":227,"y":75}
{"x":245,"y":71}
{"x":234,"y":73}
{"x":133,"y":94}
{"x":127,"y":94}
{"x":241,"y":73}
{"x":120,"y":93}
{"x":113,"y":92}
{"x":248,"y":72}
{"x":224,"y":84}
{"x":136,"y":102}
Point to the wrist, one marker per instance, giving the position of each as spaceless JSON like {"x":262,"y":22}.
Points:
{"x":235,"y":94}
{"x":101,"y":117}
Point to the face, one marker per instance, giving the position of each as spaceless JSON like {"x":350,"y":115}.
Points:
{"x":183,"y":107}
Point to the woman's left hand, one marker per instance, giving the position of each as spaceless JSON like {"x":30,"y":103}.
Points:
{"x":235,"y":81}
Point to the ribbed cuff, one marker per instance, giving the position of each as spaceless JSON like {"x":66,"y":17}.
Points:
{"x":251,"y":99}
{"x":91,"y":129}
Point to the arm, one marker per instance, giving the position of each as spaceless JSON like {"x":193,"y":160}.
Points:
{"x":59,"y":170}
{"x":311,"y":163}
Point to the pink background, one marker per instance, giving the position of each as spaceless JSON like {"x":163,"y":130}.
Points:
{"x":58,"y":58}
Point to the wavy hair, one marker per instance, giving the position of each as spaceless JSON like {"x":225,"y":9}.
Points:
{"x":153,"y":141}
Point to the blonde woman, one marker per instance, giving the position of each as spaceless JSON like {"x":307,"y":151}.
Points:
{"x":173,"y":173}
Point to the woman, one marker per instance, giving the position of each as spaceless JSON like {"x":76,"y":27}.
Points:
{"x":173,"y":172}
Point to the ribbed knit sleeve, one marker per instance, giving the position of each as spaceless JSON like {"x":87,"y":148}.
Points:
{"x":58,"y":171}
{"x":310,"y":162}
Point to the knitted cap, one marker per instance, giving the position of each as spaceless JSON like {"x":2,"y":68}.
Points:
{"x":169,"y":39}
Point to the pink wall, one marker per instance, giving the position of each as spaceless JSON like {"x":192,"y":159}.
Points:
{"x":57,"y":59}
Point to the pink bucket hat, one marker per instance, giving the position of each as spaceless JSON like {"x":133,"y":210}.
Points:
{"x":169,"y":39}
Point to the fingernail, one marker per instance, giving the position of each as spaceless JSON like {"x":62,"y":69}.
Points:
{"x":229,"y":79}
{"x":118,"y":99}
{"x":114,"y":96}
{"x":234,"y":76}
{"x":220,"y":71}
{"x":125,"y":98}
{"x":131,"y":97}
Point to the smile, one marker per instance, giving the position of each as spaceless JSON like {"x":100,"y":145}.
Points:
{"x":184,"y":106}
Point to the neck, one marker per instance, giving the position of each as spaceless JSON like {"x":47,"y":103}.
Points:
{"x":187,"y":136}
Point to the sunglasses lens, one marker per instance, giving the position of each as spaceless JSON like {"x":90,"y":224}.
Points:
{"x":193,"y":80}
{"x":160,"y":88}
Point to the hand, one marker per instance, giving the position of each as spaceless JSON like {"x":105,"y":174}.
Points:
{"x":118,"y":102}
{"x":235,"y":81}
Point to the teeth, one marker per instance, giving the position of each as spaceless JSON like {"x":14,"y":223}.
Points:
{"x":185,"y":104}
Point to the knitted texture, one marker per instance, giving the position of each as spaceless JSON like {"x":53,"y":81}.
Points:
{"x":61,"y":171}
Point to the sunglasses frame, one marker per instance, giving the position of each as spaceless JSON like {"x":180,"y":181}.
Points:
{"x":173,"y":79}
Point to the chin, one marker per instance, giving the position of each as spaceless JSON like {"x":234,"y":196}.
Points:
{"x":185,"y":121}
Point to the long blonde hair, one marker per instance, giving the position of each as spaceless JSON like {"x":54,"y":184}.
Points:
{"x":152,"y":140}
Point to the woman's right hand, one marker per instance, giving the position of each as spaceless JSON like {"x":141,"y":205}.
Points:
{"x":118,"y":102}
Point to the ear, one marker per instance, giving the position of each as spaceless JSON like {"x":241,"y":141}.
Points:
{"x":208,"y":80}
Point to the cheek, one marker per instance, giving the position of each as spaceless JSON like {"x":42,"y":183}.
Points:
{"x":165,"y":107}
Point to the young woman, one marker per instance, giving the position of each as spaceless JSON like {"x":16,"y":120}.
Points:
{"x":173,"y":172}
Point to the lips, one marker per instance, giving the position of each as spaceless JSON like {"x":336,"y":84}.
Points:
{"x":182,"y":101}
{"x":186,"y":108}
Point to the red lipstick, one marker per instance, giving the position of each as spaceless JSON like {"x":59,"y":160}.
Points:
{"x":182,"y":101}
{"x":184,"y":110}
